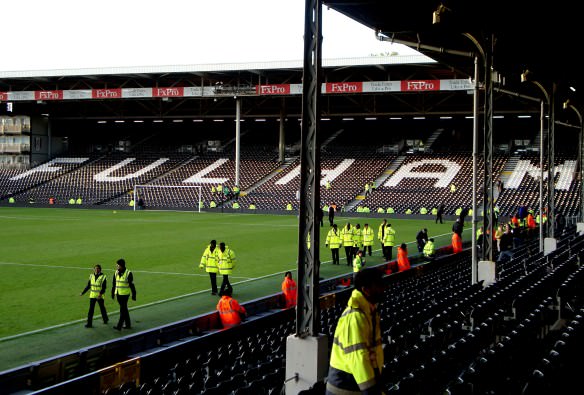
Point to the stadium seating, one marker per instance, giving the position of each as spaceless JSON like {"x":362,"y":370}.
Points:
{"x":108,"y":178}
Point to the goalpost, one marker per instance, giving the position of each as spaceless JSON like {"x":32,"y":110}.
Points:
{"x":174,"y":197}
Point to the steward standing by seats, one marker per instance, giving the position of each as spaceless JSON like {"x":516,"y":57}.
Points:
{"x":358,"y":263}
{"x":531,"y":225}
{"x":456,"y":243}
{"x":356,"y":359}
{"x":289,"y":290}
{"x":226,"y":264}
{"x":368,"y":237}
{"x":333,"y":241}
{"x":403,"y":262}
{"x":97,"y":283}
{"x":209,"y":263}
{"x":230,"y":311}
{"x":122,"y":287}
{"x":430,"y":249}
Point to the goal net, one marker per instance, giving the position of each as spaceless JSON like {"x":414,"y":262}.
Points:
{"x":168,"y":197}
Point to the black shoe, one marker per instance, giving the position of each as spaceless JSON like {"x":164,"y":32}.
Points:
{"x":118,"y":328}
{"x":105,"y":321}
{"x":88,"y":326}
{"x":213,"y":293}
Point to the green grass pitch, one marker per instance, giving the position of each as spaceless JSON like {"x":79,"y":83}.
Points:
{"x":48,"y":255}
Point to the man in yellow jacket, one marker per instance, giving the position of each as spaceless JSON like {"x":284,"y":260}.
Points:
{"x":430,"y":249}
{"x":226,"y":264}
{"x":381,"y":234}
{"x":357,"y":355}
{"x":209,"y":263}
{"x":368,"y":236}
{"x":388,"y":242}
{"x":333,"y":241}
{"x":348,"y":238}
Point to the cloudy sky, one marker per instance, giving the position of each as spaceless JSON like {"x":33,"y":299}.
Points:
{"x":68,"y":34}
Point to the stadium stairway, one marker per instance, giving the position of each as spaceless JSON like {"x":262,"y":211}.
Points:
{"x":433,"y":137}
{"x":331,"y":138}
{"x":508,"y":169}
{"x":378,"y":181}
{"x":287,"y":162}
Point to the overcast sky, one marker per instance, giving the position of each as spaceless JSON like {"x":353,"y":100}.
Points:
{"x":68,"y":34}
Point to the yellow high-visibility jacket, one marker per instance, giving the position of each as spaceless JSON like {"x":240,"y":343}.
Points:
{"x":209,"y":260}
{"x":356,"y":355}
{"x":226,"y":261}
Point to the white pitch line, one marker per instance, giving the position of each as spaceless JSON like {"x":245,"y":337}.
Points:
{"x":40,"y":218}
{"x":115,"y":312}
{"x":247,"y":279}
{"x":90,"y":269}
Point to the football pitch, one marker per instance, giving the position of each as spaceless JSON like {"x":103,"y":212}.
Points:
{"x":49,"y":253}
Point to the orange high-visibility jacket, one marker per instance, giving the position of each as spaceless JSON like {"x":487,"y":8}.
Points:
{"x":403,"y":263}
{"x":230,"y":311}
{"x":456,"y":243}
{"x":531,"y":221}
{"x":289,"y":290}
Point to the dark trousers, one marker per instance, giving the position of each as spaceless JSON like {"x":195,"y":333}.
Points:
{"x":213,"y":278}
{"x":101,"y":304}
{"x":335,"y":253}
{"x":505,"y":256}
{"x":331,"y":219}
{"x":124,"y":312}
{"x":367,"y":249}
{"x":349,"y":253}
{"x":387,"y":252}
{"x":225,"y":283}
{"x":438,"y":218}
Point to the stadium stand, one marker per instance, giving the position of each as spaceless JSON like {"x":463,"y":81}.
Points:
{"x":442,"y":334}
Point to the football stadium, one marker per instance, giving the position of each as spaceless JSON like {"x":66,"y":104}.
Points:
{"x":456,"y":172}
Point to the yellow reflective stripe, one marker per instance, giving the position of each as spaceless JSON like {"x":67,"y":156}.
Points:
{"x":230,"y":308}
{"x":355,"y":347}
{"x":351,"y":311}
{"x":96,"y":285}
{"x":350,"y":349}
{"x":367,"y":384}
{"x":122,"y":283}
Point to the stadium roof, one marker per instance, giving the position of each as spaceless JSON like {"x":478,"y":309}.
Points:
{"x":41,"y":75}
{"x":540,"y":37}
{"x":522,"y":40}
